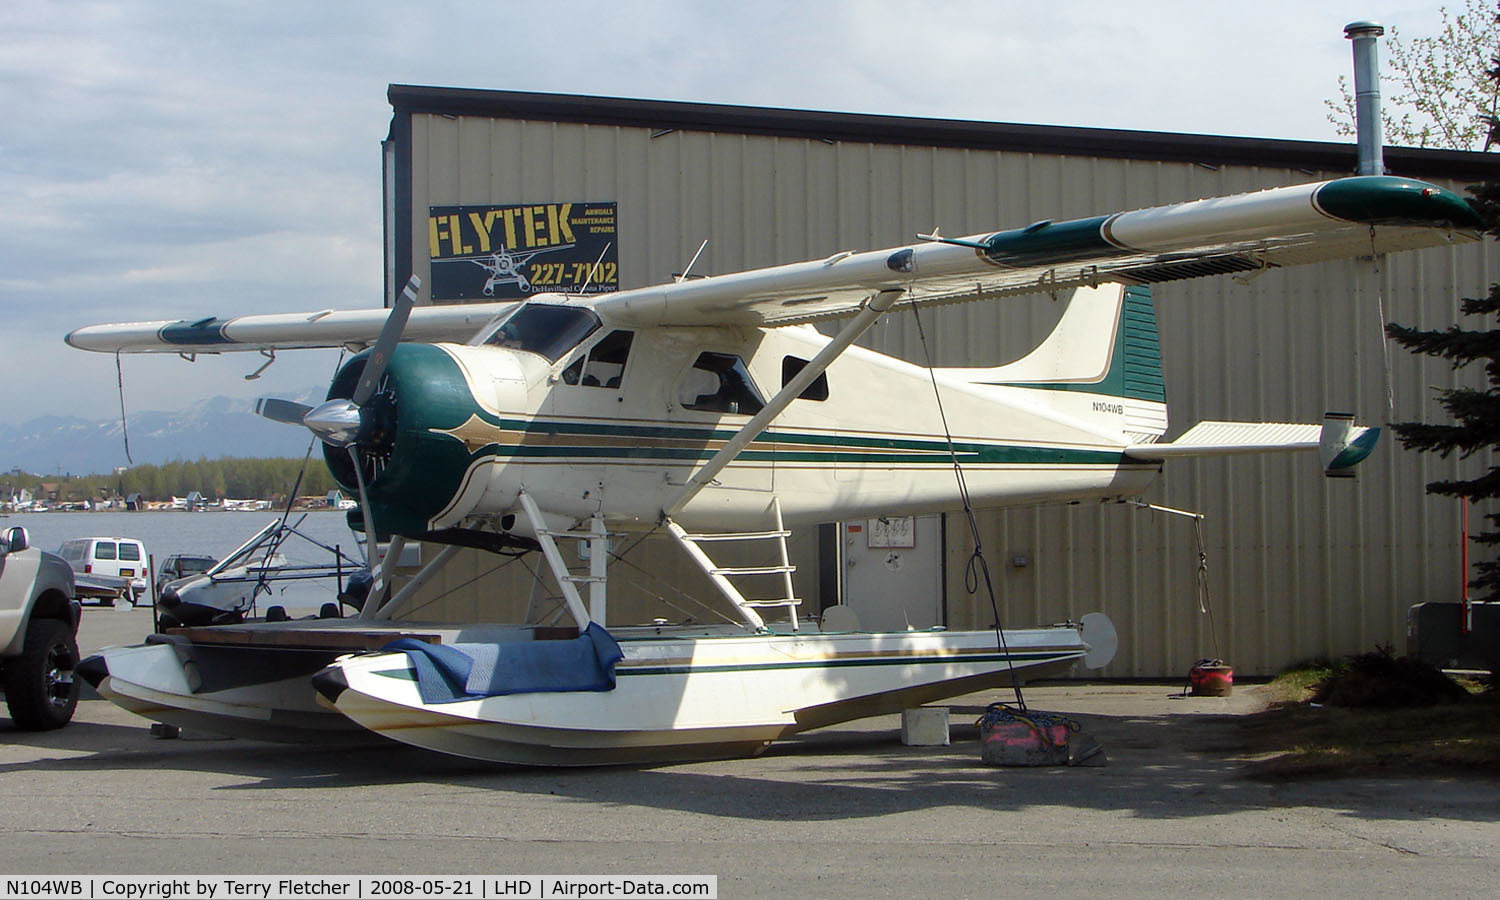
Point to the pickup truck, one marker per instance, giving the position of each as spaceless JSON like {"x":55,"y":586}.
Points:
{"x":38,"y":634}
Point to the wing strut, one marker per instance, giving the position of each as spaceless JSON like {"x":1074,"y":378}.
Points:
{"x":875,"y":307}
{"x":424,"y":575}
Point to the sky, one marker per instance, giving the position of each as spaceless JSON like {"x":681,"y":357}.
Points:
{"x":163,"y":160}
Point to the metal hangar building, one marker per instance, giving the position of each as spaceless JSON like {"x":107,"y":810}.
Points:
{"x":1298,"y":566}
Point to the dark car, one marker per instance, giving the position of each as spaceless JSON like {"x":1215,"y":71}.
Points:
{"x":181,"y":565}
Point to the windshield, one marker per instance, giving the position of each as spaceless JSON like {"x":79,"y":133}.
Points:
{"x":194,"y":565}
{"x":549,"y":331}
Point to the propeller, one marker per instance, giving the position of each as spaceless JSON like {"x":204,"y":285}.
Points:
{"x":276,"y":409}
{"x":390,"y":335}
{"x":342,"y":423}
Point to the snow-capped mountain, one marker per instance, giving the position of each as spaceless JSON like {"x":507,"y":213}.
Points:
{"x":213,"y":428}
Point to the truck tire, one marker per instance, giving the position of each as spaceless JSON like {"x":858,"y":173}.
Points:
{"x":40,"y":689}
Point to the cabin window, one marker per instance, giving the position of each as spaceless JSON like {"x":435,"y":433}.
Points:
{"x":549,"y":331}
{"x":604,"y":365}
{"x":719,"y":382}
{"x":104,"y":550}
{"x":130,"y":552}
{"x":818,"y":390}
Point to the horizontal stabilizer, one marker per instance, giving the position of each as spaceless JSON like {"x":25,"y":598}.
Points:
{"x":1341,"y":443}
{"x":1222,"y":438}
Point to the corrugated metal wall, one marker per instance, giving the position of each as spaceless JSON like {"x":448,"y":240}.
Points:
{"x":1298,"y":565}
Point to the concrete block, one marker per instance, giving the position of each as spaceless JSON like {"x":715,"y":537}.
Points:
{"x":925,"y":726}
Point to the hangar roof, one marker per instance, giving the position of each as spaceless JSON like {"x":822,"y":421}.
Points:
{"x":666,"y":115}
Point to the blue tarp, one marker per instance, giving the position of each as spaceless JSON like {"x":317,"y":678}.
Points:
{"x":450,"y":672}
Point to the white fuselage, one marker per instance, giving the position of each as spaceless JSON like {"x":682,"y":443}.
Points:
{"x":876,"y":445}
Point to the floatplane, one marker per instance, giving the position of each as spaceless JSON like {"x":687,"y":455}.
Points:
{"x":711,"y":410}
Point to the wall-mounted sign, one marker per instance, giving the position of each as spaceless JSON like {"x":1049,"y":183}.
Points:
{"x":892,"y":532}
{"x":512,"y":252}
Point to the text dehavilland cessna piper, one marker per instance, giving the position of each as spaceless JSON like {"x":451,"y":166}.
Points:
{"x":710,"y":409}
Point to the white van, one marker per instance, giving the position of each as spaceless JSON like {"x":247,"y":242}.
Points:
{"x":115,"y":557}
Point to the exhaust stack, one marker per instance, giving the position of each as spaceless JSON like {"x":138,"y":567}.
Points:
{"x":1367,"y":95}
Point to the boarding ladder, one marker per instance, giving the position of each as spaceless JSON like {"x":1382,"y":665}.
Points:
{"x":721,"y":575}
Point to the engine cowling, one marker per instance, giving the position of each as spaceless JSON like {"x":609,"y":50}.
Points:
{"x":410,"y":439}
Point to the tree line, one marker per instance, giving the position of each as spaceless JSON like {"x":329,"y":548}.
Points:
{"x":215,"y":479}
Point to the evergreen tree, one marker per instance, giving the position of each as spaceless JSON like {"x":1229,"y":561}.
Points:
{"x":1476,"y":412}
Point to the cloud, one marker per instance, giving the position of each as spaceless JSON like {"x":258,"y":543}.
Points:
{"x":168,"y":159}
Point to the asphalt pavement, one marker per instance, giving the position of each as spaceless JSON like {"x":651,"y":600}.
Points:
{"x":844,"y":812}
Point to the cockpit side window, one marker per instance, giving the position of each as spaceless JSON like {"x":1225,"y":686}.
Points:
{"x":719,"y":382}
{"x":604,"y":365}
{"x":549,"y":331}
{"x":818,"y":390}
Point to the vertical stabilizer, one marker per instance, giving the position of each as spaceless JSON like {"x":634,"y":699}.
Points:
{"x":1103,"y":359}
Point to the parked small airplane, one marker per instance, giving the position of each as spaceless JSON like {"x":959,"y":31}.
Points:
{"x":711,"y":410}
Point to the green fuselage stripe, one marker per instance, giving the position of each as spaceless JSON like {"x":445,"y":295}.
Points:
{"x":1021,"y":456}
{"x":628,"y":442}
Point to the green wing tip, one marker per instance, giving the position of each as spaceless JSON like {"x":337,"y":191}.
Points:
{"x":1388,"y":200}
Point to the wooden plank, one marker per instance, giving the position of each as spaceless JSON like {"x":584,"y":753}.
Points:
{"x":259,"y":635}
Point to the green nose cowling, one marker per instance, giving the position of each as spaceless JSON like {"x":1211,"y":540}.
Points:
{"x":416,"y":472}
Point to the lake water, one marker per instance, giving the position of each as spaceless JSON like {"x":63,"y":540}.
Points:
{"x":213,"y":533}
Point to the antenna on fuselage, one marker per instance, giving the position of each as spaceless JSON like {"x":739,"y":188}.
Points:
{"x":680,"y":277}
{"x":594,"y":268}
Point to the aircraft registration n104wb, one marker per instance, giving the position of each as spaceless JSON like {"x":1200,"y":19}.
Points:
{"x":709,"y":409}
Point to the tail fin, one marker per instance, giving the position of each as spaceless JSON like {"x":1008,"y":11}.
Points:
{"x":1105,"y":345}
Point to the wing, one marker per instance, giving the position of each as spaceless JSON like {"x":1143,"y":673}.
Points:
{"x":1246,"y":232}
{"x":285,"y":331}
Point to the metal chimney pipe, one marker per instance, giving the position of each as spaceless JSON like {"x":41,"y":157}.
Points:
{"x":1367,"y":95}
